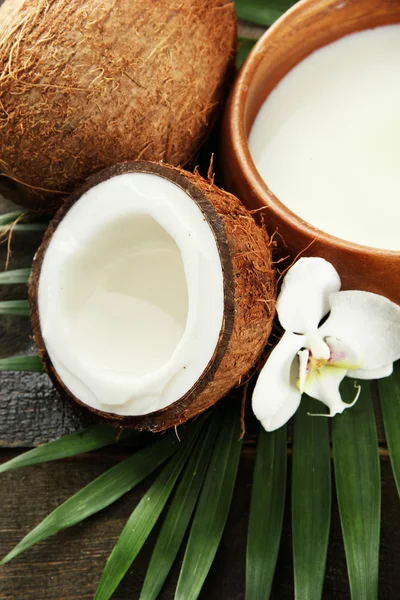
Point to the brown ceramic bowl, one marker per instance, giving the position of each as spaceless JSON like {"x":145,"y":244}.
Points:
{"x":309,"y":25}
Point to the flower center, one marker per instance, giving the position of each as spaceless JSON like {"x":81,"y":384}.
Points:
{"x":316,"y":364}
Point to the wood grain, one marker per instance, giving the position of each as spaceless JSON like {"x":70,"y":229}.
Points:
{"x":68,"y":566}
{"x":32,"y":412}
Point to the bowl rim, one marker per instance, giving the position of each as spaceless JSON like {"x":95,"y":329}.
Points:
{"x":260,"y":189}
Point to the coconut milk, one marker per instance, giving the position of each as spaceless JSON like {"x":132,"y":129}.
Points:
{"x":327,"y":139}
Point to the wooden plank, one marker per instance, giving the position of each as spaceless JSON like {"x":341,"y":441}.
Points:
{"x":68,"y":566}
{"x":32,"y":412}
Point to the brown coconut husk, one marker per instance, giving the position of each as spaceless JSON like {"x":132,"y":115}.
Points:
{"x":249,"y":295}
{"x":85,"y":84}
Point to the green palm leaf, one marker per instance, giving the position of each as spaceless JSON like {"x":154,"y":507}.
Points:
{"x":262,"y":12}
{"x":357,"y":475}
{"x":212,"y":509}
{"x":18,"y":308}
{"x":266,"y":512}
{"x":101,"y":492}
{"x":92,"y":438}
{"x":244,"y":47}
{"x":389,"y":392}
{"x":140,"y":523}
{"x":13,"y":277}
{"x":179,"y":514}
{"x":32,"y":364}
{"x":28,"y":218}
{"x":311,"y":499}
{"x":9,"y":218}
{"x":24,"y":227}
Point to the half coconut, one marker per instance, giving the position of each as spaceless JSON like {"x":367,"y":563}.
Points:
{"x":152,"y":295}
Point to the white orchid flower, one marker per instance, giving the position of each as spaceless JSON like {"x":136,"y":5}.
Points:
{"x":360,"y":339}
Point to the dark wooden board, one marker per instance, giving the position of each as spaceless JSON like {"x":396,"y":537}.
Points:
{"x":31,"y":411}
{"x":68,"y":566}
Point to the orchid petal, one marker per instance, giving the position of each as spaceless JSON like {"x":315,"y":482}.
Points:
{"x":303,"y":362}
{"x":304,"y":296}
{"x":371,"y":373}
{"x":367,"y":322}
{"x":276,"y":396}
{"x":317,"y":346}
{"x":342,"y":355}
{"x":323,"y":385}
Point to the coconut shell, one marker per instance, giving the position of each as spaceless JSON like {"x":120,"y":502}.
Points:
{"x":249,"y":295}
{"x":85,"y":84}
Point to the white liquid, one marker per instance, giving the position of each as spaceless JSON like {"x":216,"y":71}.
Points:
{"x":327,"y":139}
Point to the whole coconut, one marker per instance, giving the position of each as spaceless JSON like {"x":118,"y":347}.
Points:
{"x":85,"y":84}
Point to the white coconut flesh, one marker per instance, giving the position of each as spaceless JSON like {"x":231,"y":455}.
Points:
{"x":131,"y":298}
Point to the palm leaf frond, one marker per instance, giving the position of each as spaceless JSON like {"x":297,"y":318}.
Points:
{"x":266,"y":512}
{"x":244,"y":47}
{"x":101,"y":492}
{"x":30,"y":364}
{"x":357,"y":475}
{"x":179,"y":514}
{"x":141,"y":522}
{"x":14,"y":277}
{"x":91,"y":438}
{"x":11,"y":217}
{"x":389,"y":392}
{"x":23,"y":228}
{"x":311,"y":499}
{"x":28,"y":218}
{"x":262,"y":12}
{"x":212,"y":510}
{"x":17,"y":308}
